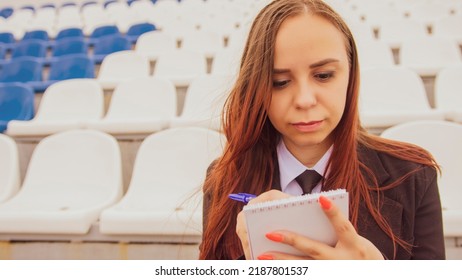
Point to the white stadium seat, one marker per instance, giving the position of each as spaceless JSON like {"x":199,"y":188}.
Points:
{"x":164,"y":196}
{"x":443,"y":140}
{"x":72,"y":177}
{"x":65,"y":105}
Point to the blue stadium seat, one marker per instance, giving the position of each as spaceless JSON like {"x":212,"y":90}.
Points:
{"x":3,"y":49}
{"x":49,"y":5}
{"x":129,"y":2}
{"x":89,"y":3}
{"x":28,"y":7}
{"x":109,"y":44}
{"x":34,"y":48}
{"x":7,"y":38}
{"x":109,"y":2}
{"x":16,"y":103}
{"x":70,"y":45}
{"x":136,"y":30}
{"x":101,"y":32}
{"x":69,"y":32}
{"x":36,"y":35}
{"x":67,"y":67}
{"x":21,"y":69}
{"x":67,"y":4}
{"x":6,"y":12}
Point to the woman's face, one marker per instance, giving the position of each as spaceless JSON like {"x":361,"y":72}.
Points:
{"x":310,"y":81}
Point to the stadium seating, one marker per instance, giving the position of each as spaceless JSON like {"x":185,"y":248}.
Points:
{"x":393,"y":95}
{"x":9,"y":168}
{"x":109,"y":44}
{"x":16,"y":103}
{"x":207,"y":43}
{"x":449,"y":27}
{"x":137,"y":30}
{"x":226,"y":62}
{"x":427,"y":56}
{"x":31,"y":47}
{"x":180,"y":66}
{"x":180,"y":168}
{"x":442,"y":139}
{"x":374,"y":53}
{"x":36,"y":35}
{"x":21,"y":69}
{"x":204,"y":102}
{"x":6,"y":12}
{"x":7,"y":38}
{"x":3,"y":50}
{"x":70,"y":45}
{"x":75,"y":66}
{"x":394,"y":32}
{"x":104,"y":31}
{"x":139,"y":103}
{"x":70,"y":32}
{"x":65,"y":105}
{"x":69,"y":17}
{"x":154,"y":43}
{"x":71,"y":178}
{"x":122,"y":66}
{"x":448,"y":92}
{"x":139,"y":106}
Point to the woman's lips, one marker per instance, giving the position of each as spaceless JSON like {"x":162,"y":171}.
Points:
{"x":307,"y":126}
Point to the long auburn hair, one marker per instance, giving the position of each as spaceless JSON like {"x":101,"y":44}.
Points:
{"x":248,"y":160}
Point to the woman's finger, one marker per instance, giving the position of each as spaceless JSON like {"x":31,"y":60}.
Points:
{"x":306,"y":246}
{"x":341,"y":224}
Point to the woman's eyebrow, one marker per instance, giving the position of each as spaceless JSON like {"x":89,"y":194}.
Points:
{"x":314,"y":65}
{"x":323,"y":62}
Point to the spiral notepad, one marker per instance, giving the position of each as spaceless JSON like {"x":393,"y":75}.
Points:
{"x":300,"y":214}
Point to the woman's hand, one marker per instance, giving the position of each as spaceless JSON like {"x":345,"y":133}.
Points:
{"x":241,"y":227}
{"x":350,"y":245}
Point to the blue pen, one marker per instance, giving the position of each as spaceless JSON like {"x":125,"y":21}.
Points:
{"x":242,"y":197}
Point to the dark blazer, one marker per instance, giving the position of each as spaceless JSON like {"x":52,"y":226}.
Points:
{"x":412,"y":209}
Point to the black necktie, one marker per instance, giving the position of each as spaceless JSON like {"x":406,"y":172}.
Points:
{"x":308,"y":180}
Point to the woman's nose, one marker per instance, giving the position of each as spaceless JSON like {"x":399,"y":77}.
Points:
{"x":306,"y":97}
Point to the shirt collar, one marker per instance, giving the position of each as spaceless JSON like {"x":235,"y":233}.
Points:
{"x":290,"y":167}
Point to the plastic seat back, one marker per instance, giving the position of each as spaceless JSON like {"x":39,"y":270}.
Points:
{"x":16,"y":103}
{"x":392,"y":89}
{"x":143,"y":98}
{"x":124,"y":65}
{"x":70,"y":45}
{"x":75,"y":99}
{"x":138,"y":29}
{"x":442,"y":139}
{"x":154,"y":43}
{"x":72,"y":67}
{"x":69,"y":32}
{"x":172,"y":155}
{"x":206,"y":96}
{"x":32,"y":47}
{"x":36,"y":35}
{"x":104,"y":31}
{"x":7,"y":37}
{"x":111,"y":44}
{"x":9,"y":168}
{"x":21,"y":69}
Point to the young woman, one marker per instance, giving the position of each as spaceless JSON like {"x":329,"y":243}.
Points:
{"x":295,"y":107}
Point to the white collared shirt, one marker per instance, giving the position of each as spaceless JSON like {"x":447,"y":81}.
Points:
{"x":290,"y":168}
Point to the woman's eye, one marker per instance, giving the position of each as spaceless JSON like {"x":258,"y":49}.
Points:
{"x":323,"y":77}
{"x":280,"y":84}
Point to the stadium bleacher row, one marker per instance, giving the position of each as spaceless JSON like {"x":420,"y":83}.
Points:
{"x":79,"y":167}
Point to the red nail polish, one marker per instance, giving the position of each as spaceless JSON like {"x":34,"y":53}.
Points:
{"x":276,"y":237}
{"x":325,"y":203}
{"x":265,"y":257}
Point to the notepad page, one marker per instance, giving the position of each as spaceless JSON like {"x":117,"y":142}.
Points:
{"x":300,"y":214}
